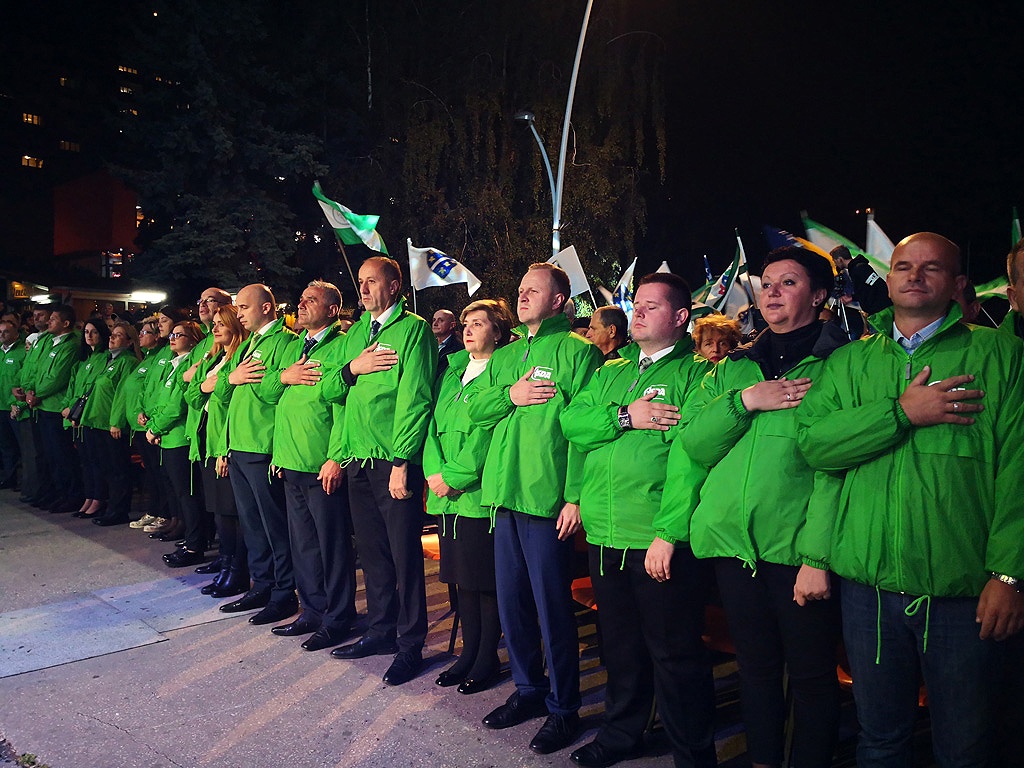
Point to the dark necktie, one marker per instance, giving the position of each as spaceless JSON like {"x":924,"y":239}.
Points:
{"x":307,"y":346}
{"x":645,"y":363}
{"x":374,"y":329}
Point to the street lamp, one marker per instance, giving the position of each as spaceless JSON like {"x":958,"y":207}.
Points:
{"x":528,"y":117}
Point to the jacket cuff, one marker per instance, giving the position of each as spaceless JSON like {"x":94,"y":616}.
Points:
{"x":737,"y":406}
{"x":347,"y":376}
{"x":901,"y":415}
{"x":821,"y":565}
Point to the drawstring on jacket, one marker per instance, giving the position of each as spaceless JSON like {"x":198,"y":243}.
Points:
{"x":914,"y":607}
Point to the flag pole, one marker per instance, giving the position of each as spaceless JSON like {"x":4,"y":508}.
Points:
{"x":415,"y":310}
{"x":348,"y":266}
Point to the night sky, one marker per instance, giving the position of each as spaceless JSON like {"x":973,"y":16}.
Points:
{"x":913,"y":109}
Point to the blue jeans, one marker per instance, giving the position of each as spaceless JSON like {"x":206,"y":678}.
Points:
{"x":939,"y":642}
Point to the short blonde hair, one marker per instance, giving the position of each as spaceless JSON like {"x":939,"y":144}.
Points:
{"x":497,"y":312}
{"x":719,"y":325}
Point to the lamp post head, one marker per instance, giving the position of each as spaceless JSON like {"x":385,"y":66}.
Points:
{"x":524,"y":117}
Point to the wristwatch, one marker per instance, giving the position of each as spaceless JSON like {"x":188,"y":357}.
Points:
{"x":1007,"y":580}
{"x":624,"y":421}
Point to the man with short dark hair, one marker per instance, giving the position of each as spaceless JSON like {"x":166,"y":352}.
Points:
{"x":608,"y":330}
{"x":36,"y":487}
{"x":868,"y":288}
{"x":386,"y":385}
{"x":922,"y":424}
{"x":259,"y":496}
{"x":528,"y":383}
{"x":651,"y":607}
{"x":319,"y":524}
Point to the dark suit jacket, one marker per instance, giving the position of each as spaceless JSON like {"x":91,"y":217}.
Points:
{"x":452,"y":344}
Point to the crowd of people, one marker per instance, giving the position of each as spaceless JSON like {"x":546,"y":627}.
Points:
{"x":819,"y":488}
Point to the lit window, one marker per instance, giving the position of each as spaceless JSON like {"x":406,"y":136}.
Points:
{"x":130,"y":111}
{"x":31,"y":162}
{"x":65,"y":82}
{"x":128,"y":70}
{"x":69,"y":146}
{"x":28,"y":117}
{"x":126,"y":89}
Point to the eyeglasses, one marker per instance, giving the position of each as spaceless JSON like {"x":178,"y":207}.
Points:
{"x":148,"y":333}
{"x":208,"y":301}
{"x":176,"y":335}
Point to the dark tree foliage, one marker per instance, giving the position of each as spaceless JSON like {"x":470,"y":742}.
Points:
{"x":401,"y":108}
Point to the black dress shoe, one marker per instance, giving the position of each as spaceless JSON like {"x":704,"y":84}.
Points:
{"x":597,"y":755}
{"x":325,"y":638}
{"x":108,"y":521}
{"x":254,"y":598}
{"x":404,"y":668}
{"x":517,"y":709}
{"x":218,"y":564}
{"x":183,"y":558}
{"x":298,"y":627}
{"x":557,"y":733}
{"x":365,"y":646}
{"x":472,"y":685}
{"x":275,"y":612}
{"x":450,"y":677}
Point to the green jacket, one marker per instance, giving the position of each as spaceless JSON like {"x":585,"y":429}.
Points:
{"x":99,"y":406}
{"x":34,"y":355}
{"x":304,"y":421}
{"x":168,"y":410}
{"x":127,"y":402}
{"x":528,"y":461}
{"x":250,"y":413}
{"x":923,"y":510}
{"x":386,"y":413}
{"x":152,"y":389}
{"x":51,"y":373}
{"x":456,"y":446}
{"x":10,"y":377}
{"x":215,"y":405}
{"x":738,"y":479}
{"x":83,"y":377}
{"x":623,"y":473}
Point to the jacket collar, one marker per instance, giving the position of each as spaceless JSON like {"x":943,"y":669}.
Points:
{"x":831,"y":338}
{"x":682,"y":348}
{"x":552,"y":325}
{"x":883,"y":320}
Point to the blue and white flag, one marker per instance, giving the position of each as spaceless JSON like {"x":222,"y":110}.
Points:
{"x":623,"y":296}
{"x":430,"y":268}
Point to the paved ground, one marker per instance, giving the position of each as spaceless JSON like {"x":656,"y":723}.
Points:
{"x":227,"y":693}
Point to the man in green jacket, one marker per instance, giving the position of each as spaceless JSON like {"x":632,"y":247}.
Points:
{"x":319,"y":523}
{"x":36,"y":488}
{"x":651,"y":607}
{"x":923,"y":423}
{"x":45,"y":394}
{"x":258,"y":495}
{"x":528,"y":384}
{"x":386,"y":385}
{"x":12,"y":355}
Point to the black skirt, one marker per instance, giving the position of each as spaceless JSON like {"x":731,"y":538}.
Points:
{"x":467,"y":552}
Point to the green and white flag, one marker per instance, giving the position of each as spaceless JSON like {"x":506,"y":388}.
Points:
{"x":827,"y":239}
{"x":351,"y":228}
{"x":992,"y":288}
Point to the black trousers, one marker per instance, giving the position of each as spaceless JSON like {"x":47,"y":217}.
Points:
{"x":320,"y":530}
{"x":117,"y":466}
{"x":185,"y":485}
{"x":35,"y":478}
{"x":91,"y":458}
{"x":60,"y":456}
{"x":652,"y":649}
{"x":154,"y":479}
{"x":388,"y":538}
{"x":261,"y":511}
{"x":771,"y":632}
{"x":9,"y":451}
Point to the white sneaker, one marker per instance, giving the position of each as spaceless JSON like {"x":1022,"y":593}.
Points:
{"x":158,"y":523}
{"x":142,"y":522}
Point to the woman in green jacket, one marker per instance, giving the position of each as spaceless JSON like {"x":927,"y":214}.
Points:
{"x":453,"y":459}
{"x":92,"y":359}
{"x":166,"y":427}
{"x":114,"y":454}
{"x":210,"y":449}
{"x":739,"y":451}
